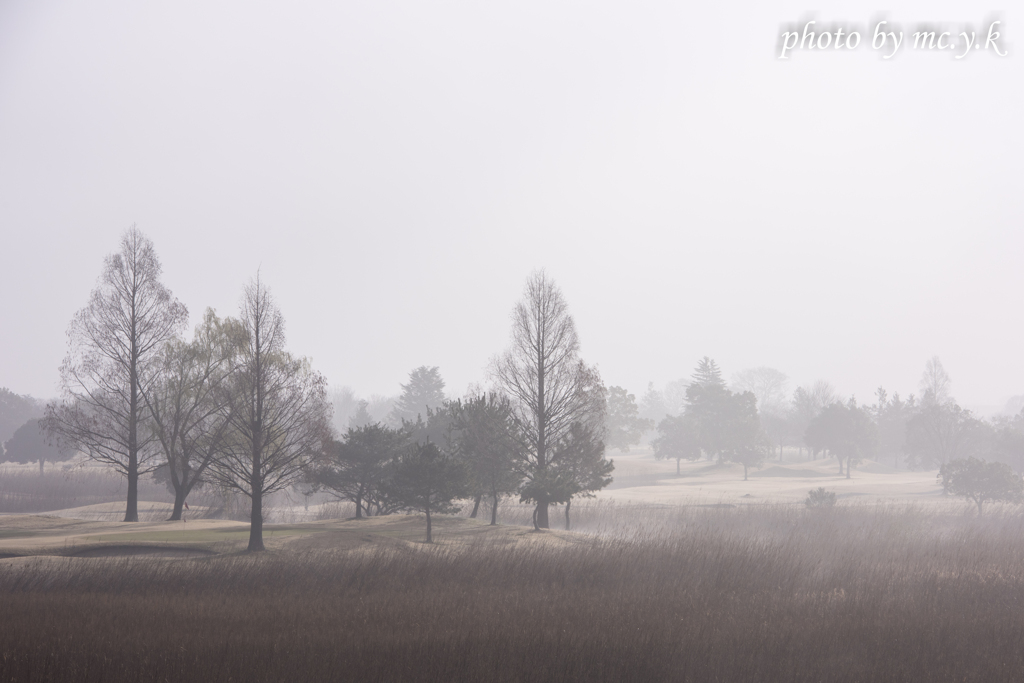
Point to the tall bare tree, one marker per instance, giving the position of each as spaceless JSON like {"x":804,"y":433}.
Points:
{"x":940,"y":433}
{"x":114,"y":344}
{"x":551,"y":388}
{"x":279,"y":417}
{"x":767,"y":384}
{"x":190,"y":404}
{"x":934,"y":383}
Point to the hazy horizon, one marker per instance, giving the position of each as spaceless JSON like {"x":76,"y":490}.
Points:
{"x":397,"y":170}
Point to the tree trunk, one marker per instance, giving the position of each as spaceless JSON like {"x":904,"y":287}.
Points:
{"x":568,"y":503}
{"x":41,"y":460}
{"x":131,"y":513}
{"x":430,"y":538}
{"x":848,"y":466}
{"x":476,"y":505}
{"x":744,"y":471}
{"x":179,"y":504}
{"x":494,"y":510}
{"x":541,"y":514}
{"x":359,"y":506}
{"x":840,"y":466}
{"x":677,"y":467}
{"x":256,"y":523}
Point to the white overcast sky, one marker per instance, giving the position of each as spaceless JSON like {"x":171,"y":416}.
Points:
{"x":397,"y":169}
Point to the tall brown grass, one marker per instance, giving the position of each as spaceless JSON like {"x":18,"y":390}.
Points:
{"x":755,"y":594}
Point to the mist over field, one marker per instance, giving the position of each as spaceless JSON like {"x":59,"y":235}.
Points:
{"x":546,"y":341}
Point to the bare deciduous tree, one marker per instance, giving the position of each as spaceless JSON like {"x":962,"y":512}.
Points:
{"x":279,"y":417}
{"x":190,"y":405}
{"x":934,"y":383}
{"x":941,"y":433}
{"x":113,"y":346}
{"x":551,"y":388}
{"x":767,"y":384}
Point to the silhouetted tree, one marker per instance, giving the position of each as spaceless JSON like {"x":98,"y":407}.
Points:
{"x":29,"y":444}
{"x":279,"y":414}
{"x":361,"y":417}
{"x":934,"y":383}
{"x":15,"y":411}
{"x":768,"y":385}
{"x":707,"y":374}
{"x":722,"y":421}
{"x":427,"y":479}
{"x":750,"y":453}
{"x":357,"y":467}
{"x":550,"y":387}
{"x":345,"y":404}
{"x":845,"y":431}
{"x":189,"y":403}
{"x":652,"y":405}
{"x":623,"y":425}
{"x":891,"y":415}
{"x":942,"y":432}
{"x":980,"y":481}
{"x":425,"y":390}
{"x":674,"y":396}
{"x":488,"y":442}
{"x":114,"y":345}
{"x":808,"y":402}
{"x":677,"y":440}
{"x":580,"y":466}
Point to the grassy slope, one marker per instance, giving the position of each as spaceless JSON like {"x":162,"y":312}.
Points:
{"x":35,"y":535}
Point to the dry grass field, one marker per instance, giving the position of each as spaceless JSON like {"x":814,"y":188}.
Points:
{"x":710,"y":585}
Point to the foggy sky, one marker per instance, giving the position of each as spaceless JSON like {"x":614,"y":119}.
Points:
{"x":397,"y":169}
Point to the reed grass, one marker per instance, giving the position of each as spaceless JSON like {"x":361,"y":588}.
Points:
{"x":771,"y":593}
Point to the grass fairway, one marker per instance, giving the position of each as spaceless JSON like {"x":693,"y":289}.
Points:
{"x":34,"y":536}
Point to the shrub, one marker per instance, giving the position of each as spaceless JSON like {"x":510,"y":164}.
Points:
{"x":820,"y":498}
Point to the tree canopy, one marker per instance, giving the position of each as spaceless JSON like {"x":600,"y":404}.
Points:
{"x":980,"y":481}
{"x":623,"y":425}
{"x":845,"y":431}
{"x":424,"y":391}
{"x":16,"y":410}
{"x":30,"y":444}
{"x":942,"y":432}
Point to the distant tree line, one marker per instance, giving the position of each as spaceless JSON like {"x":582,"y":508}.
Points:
{"x":753,"y":418}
